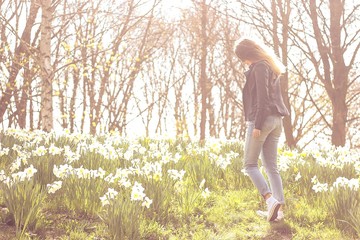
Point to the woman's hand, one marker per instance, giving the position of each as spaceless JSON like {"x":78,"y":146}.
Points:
{"x":256,"y":133}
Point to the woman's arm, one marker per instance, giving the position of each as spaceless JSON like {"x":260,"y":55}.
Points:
{"x":262,"y":75}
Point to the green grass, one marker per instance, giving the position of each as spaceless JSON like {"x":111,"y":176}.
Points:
{"x":178,"y":211}
{"x":225,"y":215}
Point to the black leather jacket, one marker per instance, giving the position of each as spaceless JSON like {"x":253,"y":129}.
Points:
{"x":262,"y":94}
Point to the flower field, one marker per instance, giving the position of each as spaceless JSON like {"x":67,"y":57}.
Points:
{"x":77,"y":186}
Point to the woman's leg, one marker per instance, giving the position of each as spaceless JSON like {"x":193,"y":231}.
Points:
{"x":269,"y":160}
{"x":252,"y":151}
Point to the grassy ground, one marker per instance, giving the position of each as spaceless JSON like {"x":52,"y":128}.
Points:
{"x":229,"y":215}
{"x":321,"y":191}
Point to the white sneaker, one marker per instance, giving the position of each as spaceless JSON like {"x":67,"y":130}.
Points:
{"x":264,"y":214}
{"x":273,"y":207}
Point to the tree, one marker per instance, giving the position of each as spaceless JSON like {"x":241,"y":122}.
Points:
{"x":331,"y":44}
{"x":141,"y":45}
{"x":46,"y":113}
{"x":226,"y":73}
{"x":204,"y":84}
{"x":23,"y":51}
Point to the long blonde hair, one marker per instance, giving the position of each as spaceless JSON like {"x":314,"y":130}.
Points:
{"x":249,"y":50}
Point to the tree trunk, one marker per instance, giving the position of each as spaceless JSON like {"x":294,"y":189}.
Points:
{"x":341,"y":75}
{"x":335,"y":79}
{"x":340,"y":111}
{"x":203,"y":77}
{"x":22,"y":105}
{"x":46,"y":113}
{"x":288,"y":127}
{"x":284,"y":11}
{"x":63,"y":102}
{"x":22,"y":49}
{"x":212,"y":125}
{"x":76,"y":80}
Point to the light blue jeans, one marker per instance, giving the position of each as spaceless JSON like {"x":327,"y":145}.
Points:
{"x":266,"y":145}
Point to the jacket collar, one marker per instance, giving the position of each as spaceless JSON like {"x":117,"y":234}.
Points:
{"x":251,"y":66}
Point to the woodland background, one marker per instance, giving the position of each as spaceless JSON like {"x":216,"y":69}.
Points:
{"x":142,"y":67}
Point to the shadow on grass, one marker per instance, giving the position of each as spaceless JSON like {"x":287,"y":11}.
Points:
{"x":6,"y":232}
{"x":279,"y":231}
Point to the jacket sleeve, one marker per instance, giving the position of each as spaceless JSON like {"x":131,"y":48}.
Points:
{"x":262,"y":76}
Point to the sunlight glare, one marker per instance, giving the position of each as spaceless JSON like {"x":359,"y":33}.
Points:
{"x":172,"y":9}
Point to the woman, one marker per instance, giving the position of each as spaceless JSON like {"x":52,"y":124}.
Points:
{"x":263,"y":109}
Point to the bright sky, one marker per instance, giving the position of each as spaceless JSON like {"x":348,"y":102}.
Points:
{"x":172,"y":8}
